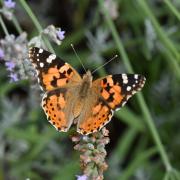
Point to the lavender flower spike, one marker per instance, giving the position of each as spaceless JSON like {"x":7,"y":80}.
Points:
{"x":10,"y":65}
{"x":83,"y":177}
{"x":1,"y":54}
{"x":60,"y":34}
{"x":9,"y":4}
{"x":13,"y":77}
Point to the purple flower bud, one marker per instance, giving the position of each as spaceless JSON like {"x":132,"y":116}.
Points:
{"x":60,"y":34}
{"x":13,"y":77}
{"x":1,"y":54}
{"x":9,"y":4}
{"x":83,"y":177}
{"x":10,"y":65}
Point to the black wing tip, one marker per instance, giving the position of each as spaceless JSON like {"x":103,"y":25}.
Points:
{"x":32,"y":48}
{"x":32,"y":51}
{"x":142,"y":80}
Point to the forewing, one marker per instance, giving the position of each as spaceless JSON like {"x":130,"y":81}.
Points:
{"x":115,"y":90}
{"x":52,"y":71}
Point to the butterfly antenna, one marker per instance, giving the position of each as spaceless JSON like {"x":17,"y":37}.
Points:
{"x":104,"y":64}
{"x":78,"y":57}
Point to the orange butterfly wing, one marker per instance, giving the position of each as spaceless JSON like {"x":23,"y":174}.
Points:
{"x":111,"y":93}
{"x":52,"y":72}
{"x":56,"y":78}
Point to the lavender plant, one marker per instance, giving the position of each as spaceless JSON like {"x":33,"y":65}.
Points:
{"x":8,"y":9}
{"x":54,"y":34}
{"x":15,"y":56}
{"x":92,"y":154}
{"x":14,"y":52}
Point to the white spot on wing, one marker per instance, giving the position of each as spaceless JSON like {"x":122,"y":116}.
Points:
{"x":133,"y":92}
{"x":40,"y":50}
{"x":41,"y":64}
{"x":128,"y":88}
{"x":50,"y":58}
{"x":125,"y":81}
{"x":125,"y":78}
{"x":136,"y":76}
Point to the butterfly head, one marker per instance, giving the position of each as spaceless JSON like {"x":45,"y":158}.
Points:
{"x":88,"y":77}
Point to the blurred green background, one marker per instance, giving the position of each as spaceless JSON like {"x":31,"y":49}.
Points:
{"x":146,"y":36}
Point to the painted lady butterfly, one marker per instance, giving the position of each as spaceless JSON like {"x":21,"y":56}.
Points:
{"x":71,"y":99}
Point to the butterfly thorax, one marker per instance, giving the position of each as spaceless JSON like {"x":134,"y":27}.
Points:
{"x":83,"y":93}
{"x":86,"y":84}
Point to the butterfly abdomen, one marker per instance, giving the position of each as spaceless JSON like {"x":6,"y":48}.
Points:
{"x":84,"y":89}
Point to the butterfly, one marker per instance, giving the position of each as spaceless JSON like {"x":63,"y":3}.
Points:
{"x":69,"y":98}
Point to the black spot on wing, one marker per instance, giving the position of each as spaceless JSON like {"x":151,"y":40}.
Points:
{"x":111,"y":98}
{"x":104,"y":81}
{"x":108,"y":87}
{"x":57,"y":92}
{"x":69,"y":71}
{"x":63,"y":75}
{"x":54,"y":81}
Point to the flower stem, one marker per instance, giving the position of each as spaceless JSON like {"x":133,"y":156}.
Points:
{"x":167,"y":43}
{"x":16,"y":24}
{"x":172,"y":8}
{"x":31,"y":14}
{"x":3,"y":26}
{"x":141,"y":100}
{"x":36,"y":23}
{"x":154,"y":132}
{"x":120,"y":46}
